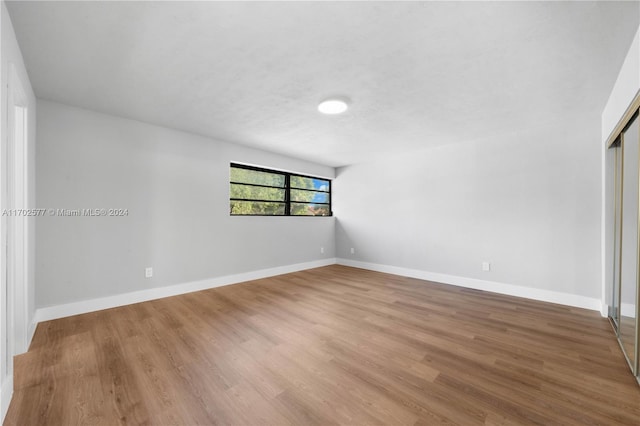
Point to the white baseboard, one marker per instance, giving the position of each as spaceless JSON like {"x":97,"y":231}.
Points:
{"x":492,"y":286}
{"x":82,"y":307}
{"x":61,"y":311}
{"x":31,"y":331}
{"x":628,"y":310}
{"x":604,"y":310}
{"x":6,"y":392}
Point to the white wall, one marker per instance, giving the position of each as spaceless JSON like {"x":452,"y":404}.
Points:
{"x":624,"y":90}
{"x":529,"y":203}
{"x":11,"y":56}
{"x":176,"y":188}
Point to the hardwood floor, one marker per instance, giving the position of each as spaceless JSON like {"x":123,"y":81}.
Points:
{"x":332,"y":345}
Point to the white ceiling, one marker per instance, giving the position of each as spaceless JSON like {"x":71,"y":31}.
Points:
{"x":418,"y":74}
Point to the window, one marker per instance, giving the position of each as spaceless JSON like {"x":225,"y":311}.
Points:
{"x":263,"y":192}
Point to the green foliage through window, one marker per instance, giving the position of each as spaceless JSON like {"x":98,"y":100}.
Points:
{"x":261,"y":192}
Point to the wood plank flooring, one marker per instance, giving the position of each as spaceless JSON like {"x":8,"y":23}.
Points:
{"x":332,"y":345}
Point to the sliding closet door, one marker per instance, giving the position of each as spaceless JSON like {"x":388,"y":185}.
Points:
{"x":629,"y":240}
{"x":613,"y":220}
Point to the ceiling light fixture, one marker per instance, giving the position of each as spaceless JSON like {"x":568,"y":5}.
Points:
{"x":333,"y":106}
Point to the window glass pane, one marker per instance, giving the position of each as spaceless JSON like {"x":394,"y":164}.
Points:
{"x":256,"y":208}
{"x":249,"y":192}
{"x":309,"y":196}
{"x":310,"y":209}
{"x":256,"y":177}
{"x":265,"y":192}
{"x":309,"y":183}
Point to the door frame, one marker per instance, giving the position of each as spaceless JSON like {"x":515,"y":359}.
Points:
{"x":15,"y":239}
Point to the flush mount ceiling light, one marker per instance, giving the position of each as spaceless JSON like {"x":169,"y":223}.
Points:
{"x":333,"y":106}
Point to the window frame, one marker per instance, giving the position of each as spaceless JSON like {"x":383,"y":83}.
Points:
{"x":287,"y":191}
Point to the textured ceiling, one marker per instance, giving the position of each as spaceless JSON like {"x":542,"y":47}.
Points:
{"x":418,"y":74}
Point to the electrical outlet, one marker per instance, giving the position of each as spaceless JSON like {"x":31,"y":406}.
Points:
{"x":321,"y":250}
{"x":486,"y":266}
{"x":148,"y":272}
{"x":353,"y":251}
